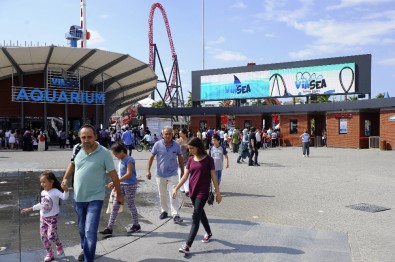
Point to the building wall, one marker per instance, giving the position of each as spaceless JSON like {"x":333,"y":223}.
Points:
{"x":195,"y":121}
{"x":349,"y":140}
{"x":387,"y":128}
{"x":256,"y":121}
{"x":303,"y":124}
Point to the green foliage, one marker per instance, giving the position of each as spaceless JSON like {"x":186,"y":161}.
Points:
{"x":189,"y":101}
{"x":323,"y":99}
{"x":380,"y":95}
{"x":158,"y":104}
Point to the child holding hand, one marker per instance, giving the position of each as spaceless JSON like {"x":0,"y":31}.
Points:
{"x":50,"y":193}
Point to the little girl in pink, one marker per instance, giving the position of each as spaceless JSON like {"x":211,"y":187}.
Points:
{"x":50,"y":193}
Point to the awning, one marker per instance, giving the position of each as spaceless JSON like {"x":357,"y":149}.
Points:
{"x":124,"y":79}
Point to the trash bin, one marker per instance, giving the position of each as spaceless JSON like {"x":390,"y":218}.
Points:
{"x":383,"y":145}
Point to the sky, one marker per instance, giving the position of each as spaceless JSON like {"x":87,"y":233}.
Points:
{"x":235,"y":32}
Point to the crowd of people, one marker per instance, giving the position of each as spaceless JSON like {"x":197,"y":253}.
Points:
{"x":184,"y":162}
{"x":179,"y":160}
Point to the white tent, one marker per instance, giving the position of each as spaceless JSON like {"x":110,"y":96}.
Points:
{"x":146,"y":102}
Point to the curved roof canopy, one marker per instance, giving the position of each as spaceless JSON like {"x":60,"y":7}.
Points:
{"x":124,"y":79}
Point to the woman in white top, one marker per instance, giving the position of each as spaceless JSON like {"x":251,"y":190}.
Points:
{"x":12,"y":139}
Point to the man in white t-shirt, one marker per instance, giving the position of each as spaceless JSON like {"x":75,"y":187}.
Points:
{"x":221,"y":136}
{"x":204,"y":136}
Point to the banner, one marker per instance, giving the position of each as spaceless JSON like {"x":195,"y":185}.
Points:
{"x":301,"y":81}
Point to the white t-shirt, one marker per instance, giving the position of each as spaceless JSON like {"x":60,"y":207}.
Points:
{"x":258,"y":137}
{"x":147,"y":138}
{"x":221,"y":134}
{"x":49,"y":205}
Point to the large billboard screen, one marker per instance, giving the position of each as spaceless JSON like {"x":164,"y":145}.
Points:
{"x":326,"y":76}
{"x":299,"y":81}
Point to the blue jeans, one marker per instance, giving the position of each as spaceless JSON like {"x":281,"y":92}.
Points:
{"x":88,"y":223}
{"x":218,"y":174}
{"x":306,"y":148}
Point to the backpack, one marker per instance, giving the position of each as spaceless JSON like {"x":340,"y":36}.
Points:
{"x":76,"y":151}
{"x":42,"y":138}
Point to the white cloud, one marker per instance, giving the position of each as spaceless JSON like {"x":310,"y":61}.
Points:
{"x":218,"y":41}
{"x":353,"y":3}
{"x":276,"y":10}
{"x":230,"y":56}
{"x":104,"y":16}
{"x":240,"y":5}
{"x":387,"y":61}
{"x":249,"y":31}
{"x":333,"y":35}
{"x":95,"y":39}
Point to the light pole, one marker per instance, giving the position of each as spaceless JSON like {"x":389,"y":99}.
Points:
{"x":203,"y":51}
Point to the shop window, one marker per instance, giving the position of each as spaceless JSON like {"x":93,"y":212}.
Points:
{"x":293,"y":126}
{"x":343,"y":126}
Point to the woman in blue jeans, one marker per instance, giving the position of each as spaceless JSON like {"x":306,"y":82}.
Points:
{"x":201,"y":170}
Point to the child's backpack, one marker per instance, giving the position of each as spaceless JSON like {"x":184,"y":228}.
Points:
{"x":42,"y":138}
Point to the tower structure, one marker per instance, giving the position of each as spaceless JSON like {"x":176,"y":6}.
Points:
{"x":79,"y":32}
{"x":173,"y":95}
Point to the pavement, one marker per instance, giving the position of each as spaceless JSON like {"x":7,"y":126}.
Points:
{"x":291,"y":208}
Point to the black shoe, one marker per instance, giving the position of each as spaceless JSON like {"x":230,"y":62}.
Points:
{"x":177,"y":219}
{"x":251,"y":164}
{"x":81,"y":257}
{"x":256,"y":164}
{"x":163,"y":215}
{"x":134,"y":229}
{"x":238,"y":162}
{"x":106,"y":231}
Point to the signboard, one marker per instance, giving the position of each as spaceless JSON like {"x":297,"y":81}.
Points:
{"x":343,"y":126}
{"x":62,"y":88}
{"x":156,"y":124}
{"x":65,"y":96}
{"x":299,"y":81}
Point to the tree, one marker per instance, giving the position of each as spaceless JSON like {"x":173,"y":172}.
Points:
{"x":189,"y":101}
{"x":323,"y":99}
{"x":353,"y":98}
{"x":158,"y":104}
{"x":258,"y":102}
{"x":380,"y":95}
{"x":221,"y":103}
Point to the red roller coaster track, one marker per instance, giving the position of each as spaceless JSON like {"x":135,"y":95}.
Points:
{"x":151,"y":45}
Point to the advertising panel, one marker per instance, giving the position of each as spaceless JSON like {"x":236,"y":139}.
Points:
{"x":300,"y":81}
{"x":156,"y":124}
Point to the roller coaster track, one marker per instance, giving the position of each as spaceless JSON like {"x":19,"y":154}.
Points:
{"x":152,"y":46}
